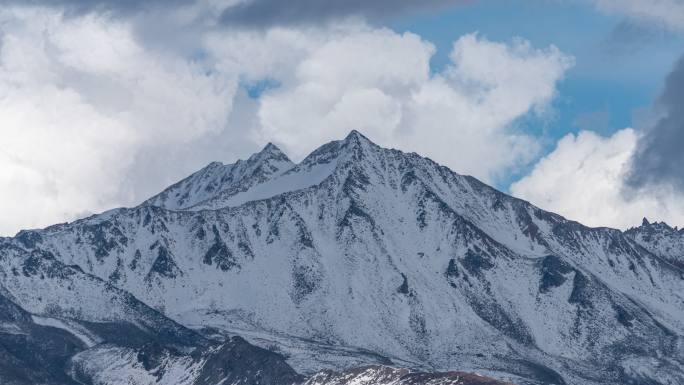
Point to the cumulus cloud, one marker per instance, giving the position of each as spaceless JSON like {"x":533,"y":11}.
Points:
{"x":92,"y":117}
{"x":583,"y":180}
{"x":615,"y":181}
{"x":379,"y":82}
{"x":668,"y":14}
{"x":79,"y":99}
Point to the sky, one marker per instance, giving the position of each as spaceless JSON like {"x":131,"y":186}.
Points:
{"x":573,"y":105}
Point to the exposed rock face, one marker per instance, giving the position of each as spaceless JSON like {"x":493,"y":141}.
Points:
{"x":661,"y":240}
{"x":383,"y":375}
{"x":357,"y":255}
{"x":31,"y":353}
{"x":238,"y":362}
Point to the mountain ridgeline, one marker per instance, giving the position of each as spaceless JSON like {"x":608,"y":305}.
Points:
{"x":359,"y":265}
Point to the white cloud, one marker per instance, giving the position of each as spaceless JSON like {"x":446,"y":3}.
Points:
{"x":582,"y":179}
{"x":92,"y":118}
{"x":79,"y":98}
{"x":352,"y":81}
{"x":665,"y":13}
{"x":379,"y":82}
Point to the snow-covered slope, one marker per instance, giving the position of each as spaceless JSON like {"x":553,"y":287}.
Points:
{"x":68,"y":351}
{"x":219,"y":180}
{"x":65,"y":349}
{"x":382,"y":257}
{"x":382,"y":375}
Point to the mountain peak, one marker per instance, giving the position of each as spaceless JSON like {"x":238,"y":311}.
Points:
{"x":357,"y":145}
{"x":354,"y":133}
{"x":357,"y":137}
{"x":271,"y":148}
{"x":269,"y":153}
{"x":217,"y":178}
{"x":660,"y":226}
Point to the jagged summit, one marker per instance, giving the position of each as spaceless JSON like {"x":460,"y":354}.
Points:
{"x":217,"y":178}
{"x":357,"y":136}
{"x":322,"y":163}
{"x":270,"y":147}
{"x":653,"y":228}
{"x":660,"y":239}
{"x":357,"y":142}
{"x":218,"y":185}
{"x":354,"y":141}
{"x":270,"y":152}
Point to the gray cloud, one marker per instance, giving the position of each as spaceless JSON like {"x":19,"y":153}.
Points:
{"x":629,"y":37}
{"x":258,"y":13}
{"x":659,"y":157}
{"x":667,"y":14}
{"x":82,"y":6}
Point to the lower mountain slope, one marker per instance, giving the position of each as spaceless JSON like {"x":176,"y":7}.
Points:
{"x":380,"y":375}
{"x":61,"y":326}
{"x":387,"y":259}
{"x":56,"y":350}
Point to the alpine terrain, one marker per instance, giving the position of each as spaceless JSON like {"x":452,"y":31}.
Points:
{"x":359,"y":265}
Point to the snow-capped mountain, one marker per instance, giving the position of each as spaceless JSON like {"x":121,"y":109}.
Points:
{"x":660,"y":239}
{"x":219,"y":181}
{"x":361,"y":255}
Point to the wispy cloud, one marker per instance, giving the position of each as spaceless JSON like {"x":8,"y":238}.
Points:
{"x":668,"y":14}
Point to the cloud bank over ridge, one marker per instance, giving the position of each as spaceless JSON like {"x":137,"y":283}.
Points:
{"x":94,"y":117}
